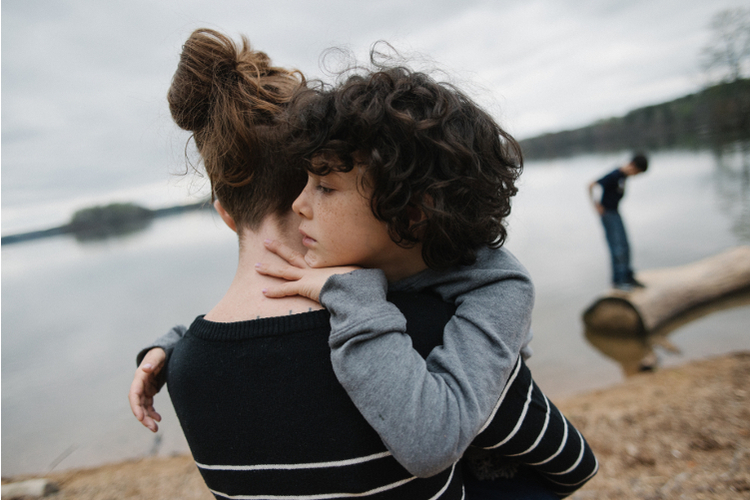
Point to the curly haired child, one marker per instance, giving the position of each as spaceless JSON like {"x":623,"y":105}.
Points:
{"x":410,"y":179}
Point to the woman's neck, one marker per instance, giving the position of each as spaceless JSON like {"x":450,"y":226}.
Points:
{"x":245,"y":300}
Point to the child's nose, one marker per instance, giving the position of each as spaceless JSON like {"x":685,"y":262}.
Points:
{"x":300,"y":205}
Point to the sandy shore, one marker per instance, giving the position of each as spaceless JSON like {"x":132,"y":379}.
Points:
{"x":678,"y":433}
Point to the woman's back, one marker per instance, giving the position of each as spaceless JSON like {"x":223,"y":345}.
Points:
{"x":265,"y":416}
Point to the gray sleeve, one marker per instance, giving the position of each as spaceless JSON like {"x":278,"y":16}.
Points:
{"x":427,"y":411}
{"x":166,"y":342}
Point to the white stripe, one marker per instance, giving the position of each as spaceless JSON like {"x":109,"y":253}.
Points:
{"x":315,"y":465}
{"x":324,"y":496}
{"x":578,"y":460}
{"x":512,"y":377}
{"x":445,"y":486}
{"x":562,"y":445}
{"x":321,"y":496}
{"x":541,"y":434}
{"x":596,"y":469}
{"x":520,"y":420}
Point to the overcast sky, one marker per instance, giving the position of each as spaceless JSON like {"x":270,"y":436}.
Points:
{"x":84,"y":114}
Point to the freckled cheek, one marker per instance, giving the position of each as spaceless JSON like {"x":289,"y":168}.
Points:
{"x":331,"y":223}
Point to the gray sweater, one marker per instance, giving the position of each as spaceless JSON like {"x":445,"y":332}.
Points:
{"x":426,"y":411}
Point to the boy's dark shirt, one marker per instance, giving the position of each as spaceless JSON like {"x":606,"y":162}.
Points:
{"x":613,"y":189}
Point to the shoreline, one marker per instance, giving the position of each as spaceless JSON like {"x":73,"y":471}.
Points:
{"x":676,"y":431}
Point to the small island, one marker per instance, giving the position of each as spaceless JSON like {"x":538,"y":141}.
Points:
{"x":105,"y":221}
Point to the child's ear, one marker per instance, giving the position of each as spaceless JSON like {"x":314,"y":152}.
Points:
{"x":415,"y":214}
{"x":416,"y":210}
{"x":228,"y":220}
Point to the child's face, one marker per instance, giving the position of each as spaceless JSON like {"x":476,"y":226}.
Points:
{"x":339,"y":228}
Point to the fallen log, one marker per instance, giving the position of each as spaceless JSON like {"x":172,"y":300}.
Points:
{"x":669,"y":293}
{"x":637,"y":353}
{"x":31,"y":488}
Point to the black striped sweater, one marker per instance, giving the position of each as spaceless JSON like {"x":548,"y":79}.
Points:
{"x":265,"y":416}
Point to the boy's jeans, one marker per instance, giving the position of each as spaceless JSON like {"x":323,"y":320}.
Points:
{"x":617,"y":239}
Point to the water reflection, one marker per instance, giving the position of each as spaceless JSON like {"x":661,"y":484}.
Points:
{"x":733,"y":185}
{"x":638,"y":353}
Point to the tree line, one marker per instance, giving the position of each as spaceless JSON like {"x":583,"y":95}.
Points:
{"x":713,"y":117}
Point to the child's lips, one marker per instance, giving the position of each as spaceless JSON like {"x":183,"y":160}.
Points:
{"x":306,"y":240}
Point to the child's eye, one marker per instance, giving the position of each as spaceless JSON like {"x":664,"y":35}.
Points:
{"x":323,"y":189}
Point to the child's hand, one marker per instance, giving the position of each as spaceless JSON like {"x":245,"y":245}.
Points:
{"x":145,"y":386}
{"x":301,"y":278}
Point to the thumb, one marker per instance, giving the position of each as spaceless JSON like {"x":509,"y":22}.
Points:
{"x":153,"y":361}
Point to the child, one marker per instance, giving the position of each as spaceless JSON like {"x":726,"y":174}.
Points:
{"x":613,"y":189}
{"x":410,"y":178}
{"x":413,"y":181}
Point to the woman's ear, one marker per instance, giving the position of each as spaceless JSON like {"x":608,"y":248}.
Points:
{"x":228,"y":220}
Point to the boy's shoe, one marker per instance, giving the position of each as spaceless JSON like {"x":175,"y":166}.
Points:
{"x":635,"y":283}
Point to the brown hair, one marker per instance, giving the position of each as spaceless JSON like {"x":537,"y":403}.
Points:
{"x":231,"y":98}
{"x":427,"y":148}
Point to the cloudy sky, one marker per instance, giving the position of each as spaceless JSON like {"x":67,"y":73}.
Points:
{"x":84,"y":117}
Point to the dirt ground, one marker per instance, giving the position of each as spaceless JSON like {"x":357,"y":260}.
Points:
{"x":680,"y":433}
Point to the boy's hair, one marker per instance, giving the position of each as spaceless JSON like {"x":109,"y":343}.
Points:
{"x":442,"y":171}
{"x":640,"y":161}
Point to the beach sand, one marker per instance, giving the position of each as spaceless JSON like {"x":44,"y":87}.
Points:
{"x":682,"y":432}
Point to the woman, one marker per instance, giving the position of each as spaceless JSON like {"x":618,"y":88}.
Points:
{"x":251,"y":381}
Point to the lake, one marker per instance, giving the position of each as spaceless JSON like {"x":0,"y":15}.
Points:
{"x":74,"y":315}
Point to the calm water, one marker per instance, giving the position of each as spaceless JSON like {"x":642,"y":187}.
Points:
{"x":74,"y":315}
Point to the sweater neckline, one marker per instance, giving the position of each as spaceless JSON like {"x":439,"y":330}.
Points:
{"x":277,"y":325}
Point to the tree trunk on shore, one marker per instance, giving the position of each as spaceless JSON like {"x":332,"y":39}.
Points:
{"x":669,"y":293}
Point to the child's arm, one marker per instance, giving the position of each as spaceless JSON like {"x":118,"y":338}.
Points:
{"x":595,"y":196}
{"x":150,"y":377}
{"x":428,"y":411}
{"x":167,"y":342}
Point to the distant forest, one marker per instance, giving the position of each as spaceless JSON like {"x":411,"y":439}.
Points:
{"x":711,"y":118}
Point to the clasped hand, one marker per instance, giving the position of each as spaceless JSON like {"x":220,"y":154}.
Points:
{"x":301,"y":279}
{"x":145,"y":386}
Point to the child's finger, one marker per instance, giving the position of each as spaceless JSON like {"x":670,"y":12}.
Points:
{"x":283,"y":290}
{"x":150,"y":424}
{"x":153,"y":413}
{"x":291,"y":256}
{"x":135,"y":396}
{"x":287,"y":272}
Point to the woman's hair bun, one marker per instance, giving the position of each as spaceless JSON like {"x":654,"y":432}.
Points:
{"x":217,"y":76}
